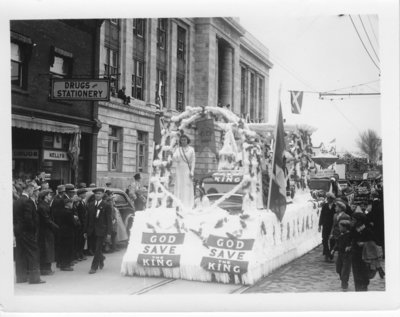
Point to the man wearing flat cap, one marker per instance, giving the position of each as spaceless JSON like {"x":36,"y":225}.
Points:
{"x":47,"y":230}
{"x":99,"y":226}
{"x":26,"y":229}
{"x":326,"y":222}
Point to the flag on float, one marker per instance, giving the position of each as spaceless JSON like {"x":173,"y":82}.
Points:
{"x":296,"y":101}
{"x":333,"y":141}
{"x":277,"y":191}
{"x":157,"y":124}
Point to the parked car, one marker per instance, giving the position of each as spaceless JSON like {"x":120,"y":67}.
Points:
{"x":232,"y":204}
{"x":125,"y":206}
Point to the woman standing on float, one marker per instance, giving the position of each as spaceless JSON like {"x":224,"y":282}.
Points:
{"x":184,"y":158}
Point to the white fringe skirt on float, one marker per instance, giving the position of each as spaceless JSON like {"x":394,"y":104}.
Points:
{"x":214,"y":246}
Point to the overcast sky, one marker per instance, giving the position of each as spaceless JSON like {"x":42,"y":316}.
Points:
{"x":320,"y":53}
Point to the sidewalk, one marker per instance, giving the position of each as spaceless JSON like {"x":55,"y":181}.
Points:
{"x":309,"y":273}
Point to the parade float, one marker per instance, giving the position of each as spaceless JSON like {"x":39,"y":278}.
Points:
{"x":216,"y":244}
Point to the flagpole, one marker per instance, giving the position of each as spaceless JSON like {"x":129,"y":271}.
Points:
{"x":276,"y":135}
{"x":153,"y":171}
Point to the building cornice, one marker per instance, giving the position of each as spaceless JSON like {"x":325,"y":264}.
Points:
{"x":261,"y":55}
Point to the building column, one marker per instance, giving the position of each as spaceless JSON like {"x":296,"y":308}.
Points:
{"x":226,"y":76}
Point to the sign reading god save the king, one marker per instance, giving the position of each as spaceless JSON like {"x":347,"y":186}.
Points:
{"x":227,"y":255}
{"x":80,"y":89}
{"x":160,"y":249}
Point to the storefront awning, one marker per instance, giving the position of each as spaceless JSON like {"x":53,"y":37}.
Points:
{"x":24,"y":122}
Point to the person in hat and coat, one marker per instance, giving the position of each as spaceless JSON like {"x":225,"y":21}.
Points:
{"x":57,"y":207}
{"x":326,"y":222}
{"x":81,"y":210}
{"x":47,"y":228}
{"x":26,"y":230}
{"x":99,"y":225}
{"x":361,"y":233}
{"x":340,"y":214}
{"x":64,"y":218}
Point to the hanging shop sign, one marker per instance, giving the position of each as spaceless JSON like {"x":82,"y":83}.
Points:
{"x":80,"y":89}
{"x":25,"y":154}
{"x":55,"y":155}
{"x":161,"y":249}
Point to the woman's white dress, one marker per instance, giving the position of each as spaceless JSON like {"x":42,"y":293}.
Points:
{"x":184,"y":159}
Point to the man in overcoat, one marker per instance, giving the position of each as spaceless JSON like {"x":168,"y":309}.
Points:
{"x":26,"y":229}
{"x":99,"y":225}
{"x":57,"y":207}
{"x":81,"y":210}
{"x":47,"y":229}
{"x":326,"y":222}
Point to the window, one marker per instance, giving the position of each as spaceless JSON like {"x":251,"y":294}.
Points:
{"x":111,"y":68}
{"x":243,"y":90}
{"x":180,"y":93}
{"x":114,"y":148}
{"x":139,"y":27}
{"x":141,"y":151}
{"x":181,"y":43}
{"x":61,"y":62}
{"x":253,"y":104}
{"x":60,"y":68}
{"x":161,"y":33}
{"x":137,"y":79}
{"x":261,"y":105}
{"x":17,"y":64}
{"x":161,"y":79}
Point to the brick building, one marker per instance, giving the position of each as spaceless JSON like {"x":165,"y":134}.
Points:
{"x":43,"y":129}
{"x":198,"y":61}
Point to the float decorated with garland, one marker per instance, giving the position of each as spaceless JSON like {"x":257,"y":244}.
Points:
{"x":213,"y":244}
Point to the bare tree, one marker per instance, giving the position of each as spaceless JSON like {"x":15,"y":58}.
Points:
{"x":370,"y":143}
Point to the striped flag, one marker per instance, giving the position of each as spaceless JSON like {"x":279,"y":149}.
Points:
{"x":296,"y":101}
{"x":277,"y":191}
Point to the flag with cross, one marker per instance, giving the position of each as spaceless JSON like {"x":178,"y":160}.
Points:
{"x":296,"y":101}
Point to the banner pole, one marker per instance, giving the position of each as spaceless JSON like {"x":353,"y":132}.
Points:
{"x":273,"y":157}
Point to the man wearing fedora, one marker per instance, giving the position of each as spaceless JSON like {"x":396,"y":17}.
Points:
{"x":47,"y":229}
{"x":57,"y":207}
{"x":326,"y":222}
{"x":64,"y":218}
{"x":99,"y":226}
{"x":81,"y":210}
{"x":26,"y":229}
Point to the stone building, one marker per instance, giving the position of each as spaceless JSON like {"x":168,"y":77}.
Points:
{"x":198,"y":61}
{"x":43,"y":130}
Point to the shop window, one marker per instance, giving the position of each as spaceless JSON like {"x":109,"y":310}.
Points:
{"x":180,"y":93}
{"x":137,"y":79}
{"x":181,"y":43}
{"x":162,"y":33}
{"x":161,"y":79}
{"x":141,"y":151}
{"x":114,"y":148}
{"x":139,"y":27}
{"x":111,"y":68}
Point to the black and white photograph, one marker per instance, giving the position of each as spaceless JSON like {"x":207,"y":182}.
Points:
{"x":205,"y":157}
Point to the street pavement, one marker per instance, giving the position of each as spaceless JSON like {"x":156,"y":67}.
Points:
{"x":308,"y":273}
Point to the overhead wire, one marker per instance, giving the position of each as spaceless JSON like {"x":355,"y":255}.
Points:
{"x":373,"y":31}
{"x":369,"y":40}
{"x":362,"y":42}
{"x":363,"y":84}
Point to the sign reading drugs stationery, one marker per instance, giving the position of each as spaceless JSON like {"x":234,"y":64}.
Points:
{"x":160,"y":249}
{"x":227,"y":255}
{"x":80,"y":89}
